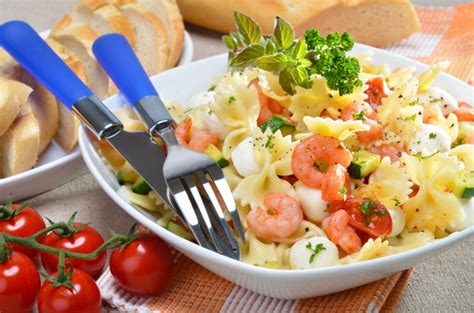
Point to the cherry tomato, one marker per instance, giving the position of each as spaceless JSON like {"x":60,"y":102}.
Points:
{"x":25,"y":224}
{"x":368,"y":216}
{"x":19,"y":284}
{"x":85,"y":240}
{"x":143,"y":267}
{"x":375,"y":93}
{"x":83,"y":298}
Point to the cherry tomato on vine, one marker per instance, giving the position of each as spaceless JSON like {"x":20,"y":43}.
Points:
{"x":82,"y":239}
{"x":368,"y":216}
{"x":83,"y":298}
{"x":143,"y":267}
{"x":23,"y":224}
{"x":19,"y":284}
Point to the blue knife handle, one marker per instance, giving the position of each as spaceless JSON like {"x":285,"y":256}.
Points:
{"x":22,"y":42}
{"x":116,"y":56}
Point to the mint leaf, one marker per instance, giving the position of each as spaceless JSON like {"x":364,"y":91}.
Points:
{"x":229,"y":43}
{"x":287,"y":82}
{"x":270,"y":47}
{"x":283,"y":33}
{"x":248,"y":56}
{"x":250,"y":31}
{"x":273,"y":63}
{"x":299,"y":51}
{"x":300,"y":75}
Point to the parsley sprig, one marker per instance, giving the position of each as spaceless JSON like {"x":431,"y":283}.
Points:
{"x":367,"y":207}
{"x":294,"y":60}
{"x":315,"y":251}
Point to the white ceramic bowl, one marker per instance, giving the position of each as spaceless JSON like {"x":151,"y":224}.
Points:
{"x":56,"y":167}
{"x":179,"y":85}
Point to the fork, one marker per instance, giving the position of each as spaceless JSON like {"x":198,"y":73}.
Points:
{"x":187,"y":173}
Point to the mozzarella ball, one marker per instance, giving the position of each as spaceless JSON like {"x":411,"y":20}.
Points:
{"x":202,"y":97}
{"x":398,"y":221}
{"x":441,"y":98}
{"x":312,"y":203}
{"x":467,"y":206}
{"x":243,"y":158}
{"x":430,"y":139}
{"x":214,"y":124}
{"x":301,"y":256}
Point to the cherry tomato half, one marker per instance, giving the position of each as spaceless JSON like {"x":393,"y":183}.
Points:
{"x":368,"y":216}
{"x":143,"y":267}
{"x":85,"y":240}
{"x":19,"y":284}
{"x":83,"y":298}
{"x":28,"y":222}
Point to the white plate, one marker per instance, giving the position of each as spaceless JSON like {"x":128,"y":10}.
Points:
{"x":287,"y":284}
{"x":56,"y":167}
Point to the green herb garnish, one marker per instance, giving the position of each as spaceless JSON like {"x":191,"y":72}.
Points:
{"x":420,"y":156}
{"x":435,"y":100}
{"x":294,"y":61}
{"x":396,"y":201}
{"x":432,"y":136}
{"x":359,"y":116}
{"x":212,"y":88}
{"x":315,"y":251}
{"x":414,"y":102}
{"x":231,"y":100}
{"x":343,"y":192}
{"x":410,"y":117}
{"x":366,"y":207}
{"x":269,"y":143}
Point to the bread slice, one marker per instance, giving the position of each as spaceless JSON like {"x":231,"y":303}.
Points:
{"x":103,"y":19}
{"x":151,"y":40}
{"x":78,"y":39}
{"x":43,"y":106}
{"x":66,"y":136}
{"x":13,"y":96}
{"x":19,"y":146}
{"x":373,"y":22}
{"x":168,"y":12}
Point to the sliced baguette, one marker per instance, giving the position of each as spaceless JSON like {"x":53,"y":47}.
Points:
{"x":43,"y":106}
{"x":103,"y":19}
{"x":78,"y":39}
{"x":13,"y":96}
{"x":40,"y":102}
{"x":19,"y":146}
{"x":66,"y":136}
{"x":151,"y":40}
{"x":168,"y":12}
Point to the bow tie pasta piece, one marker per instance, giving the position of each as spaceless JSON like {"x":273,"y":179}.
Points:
{"x":273,"y":152}
{"x":372,"y":249}
{"x":237,"y":106}
{"x":271,"y":87}
{"x":427,"y":77}
{"x":433,"y":207}
{"x":400,"y":77}
{"x":334,"y":128}
{"x":403,"y":95}
{"x":312,"y":101}
{"x":389,"y":183}
{"x":408,"y":241}
{"x":369,"y":67}
{"x":265,"y":254}
{"x":465,"y":154}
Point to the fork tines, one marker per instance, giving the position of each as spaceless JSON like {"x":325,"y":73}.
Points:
{"x":207,"y":192}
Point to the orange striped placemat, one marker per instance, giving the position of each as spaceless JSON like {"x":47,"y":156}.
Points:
{"x":446,"y":34}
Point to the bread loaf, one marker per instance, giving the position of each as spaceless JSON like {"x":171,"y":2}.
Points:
{"x":373,"y":22}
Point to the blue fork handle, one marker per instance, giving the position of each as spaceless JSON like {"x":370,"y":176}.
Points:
{"x":24,"y":44}
{"x":116,"y":56}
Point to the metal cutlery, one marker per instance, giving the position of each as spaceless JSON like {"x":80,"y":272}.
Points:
{"x":190,"y":176}
{"x":22,"y":42}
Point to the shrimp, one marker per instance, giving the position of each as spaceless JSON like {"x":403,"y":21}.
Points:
{"x":341,"y":233}
{"x":392,"y":151}
{"x":376,"y":91}
{"x":268,"y":106}
{"x":334,"y":180}
{"x":194,"y":138}
{"x":280,"y":217}
{"x":313,"y":151}
{"x":364,"y":112}
{"x":431,"y":113}
{"x":465,"y":112}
